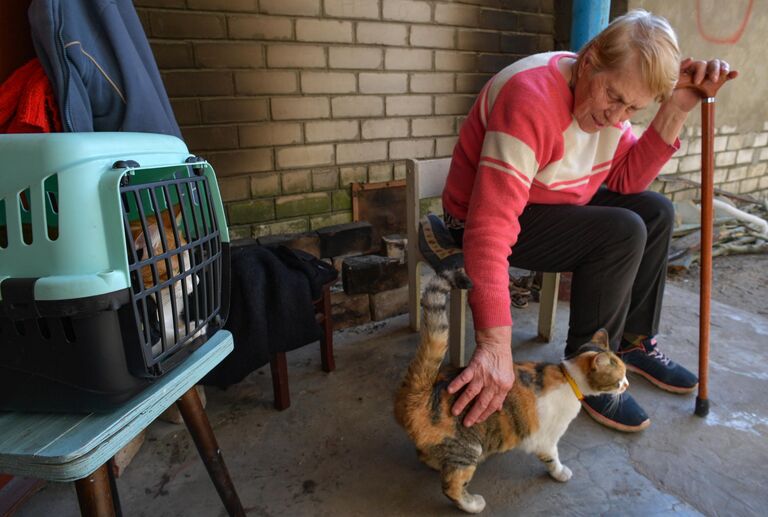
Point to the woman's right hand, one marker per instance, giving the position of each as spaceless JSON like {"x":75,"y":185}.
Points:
{"x":697,"y":72}
{"x":487,"y":378}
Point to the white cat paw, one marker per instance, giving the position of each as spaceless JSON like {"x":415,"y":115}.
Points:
{"x":563,"y":474}
{"x":472,"y":503}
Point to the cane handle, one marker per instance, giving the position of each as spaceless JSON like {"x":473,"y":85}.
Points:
{"x":707,"y":88}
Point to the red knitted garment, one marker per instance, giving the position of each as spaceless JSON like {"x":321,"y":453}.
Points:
{"x":27,"y":102}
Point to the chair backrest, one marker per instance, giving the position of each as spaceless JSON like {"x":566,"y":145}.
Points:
{"x":426,"y":179}
{"x":423,"y":179}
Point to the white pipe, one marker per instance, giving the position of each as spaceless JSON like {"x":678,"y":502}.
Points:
{"x":761,"y":223}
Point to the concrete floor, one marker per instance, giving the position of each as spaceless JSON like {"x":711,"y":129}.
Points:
{"x":338,"y":451}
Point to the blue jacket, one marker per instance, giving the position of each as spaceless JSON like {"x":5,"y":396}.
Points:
{"x":99,"y":62}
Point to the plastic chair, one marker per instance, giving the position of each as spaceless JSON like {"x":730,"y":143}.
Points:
{"x":79,"y":447}
{"x":425,"y":179}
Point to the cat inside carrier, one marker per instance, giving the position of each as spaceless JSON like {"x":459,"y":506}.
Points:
{"x":114,"y":266}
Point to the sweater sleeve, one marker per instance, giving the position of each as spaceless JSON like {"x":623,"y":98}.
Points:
{"x":509,"y":159}
{"x":637,"y":162}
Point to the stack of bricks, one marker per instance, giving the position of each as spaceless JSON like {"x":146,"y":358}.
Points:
{"x":293,"y":100}
{"x":370,"y":287}
{"x":741,"y":164}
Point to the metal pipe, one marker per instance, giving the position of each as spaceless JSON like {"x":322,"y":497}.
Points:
{"x":588,"y":18}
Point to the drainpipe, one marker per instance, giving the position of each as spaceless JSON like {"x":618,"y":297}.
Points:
{"x":588,"y":18}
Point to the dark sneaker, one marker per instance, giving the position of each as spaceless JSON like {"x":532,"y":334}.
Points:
{"x":619,"y":412}
{"x":646,"y":359}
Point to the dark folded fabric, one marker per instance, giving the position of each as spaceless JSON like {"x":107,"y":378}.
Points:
{"x":271,"y":311}
{"x":318,"y":273}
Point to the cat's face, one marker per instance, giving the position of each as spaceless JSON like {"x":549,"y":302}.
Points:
{"x":603,"y":371}
{"x":607,"y":373}
{"x":155,"y":242}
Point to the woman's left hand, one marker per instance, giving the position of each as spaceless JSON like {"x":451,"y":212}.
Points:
{"x":685,"y":99}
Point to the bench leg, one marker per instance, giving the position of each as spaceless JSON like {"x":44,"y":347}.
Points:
{"x":111,"y":469}
{"x":94,"y":493}
{"x":326,"y":339}
{"x":200,"y":428}
{"x":279,"y":369}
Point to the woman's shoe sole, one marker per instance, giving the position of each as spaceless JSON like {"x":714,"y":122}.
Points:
{"x":612,"y":424}
{"x":662,"y":385}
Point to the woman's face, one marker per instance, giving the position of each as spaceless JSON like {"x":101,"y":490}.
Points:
{"x":609,"y":97}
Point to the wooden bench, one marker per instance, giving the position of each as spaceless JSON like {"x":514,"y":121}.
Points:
{"x":79,"y":447}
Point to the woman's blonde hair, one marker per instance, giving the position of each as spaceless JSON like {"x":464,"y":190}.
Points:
{"x":642,"y":34}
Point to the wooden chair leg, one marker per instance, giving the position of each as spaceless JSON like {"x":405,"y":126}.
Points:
{"x":414,"y":291}
{"x":200,"y":428}
{"x":326,"y":339}
{"x":279,"y":368}
{"x":548,"y":305}
{"x":458,"y":328}
{"x":94,"y":493}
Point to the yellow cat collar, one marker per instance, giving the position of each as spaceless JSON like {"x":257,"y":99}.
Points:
{"x":574,"y":387}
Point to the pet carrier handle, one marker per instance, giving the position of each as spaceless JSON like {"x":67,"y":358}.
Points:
{"x":196,"y":159}
{"x":126,"y":164}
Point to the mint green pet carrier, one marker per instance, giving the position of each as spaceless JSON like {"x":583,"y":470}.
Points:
{"x":114,"y":265}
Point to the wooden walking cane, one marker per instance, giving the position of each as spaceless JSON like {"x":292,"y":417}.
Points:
{"x":707,"y":90}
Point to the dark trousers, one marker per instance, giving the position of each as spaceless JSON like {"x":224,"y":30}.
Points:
{"x":616,"y":247}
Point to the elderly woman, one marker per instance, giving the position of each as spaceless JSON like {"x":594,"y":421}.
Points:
{"x":547,"y":175}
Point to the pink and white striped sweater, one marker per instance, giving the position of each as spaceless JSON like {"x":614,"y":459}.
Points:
{"x":519,"y":145}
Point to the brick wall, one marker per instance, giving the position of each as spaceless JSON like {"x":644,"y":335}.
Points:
{"x":741,"y":164}
{"x":292,"y":100}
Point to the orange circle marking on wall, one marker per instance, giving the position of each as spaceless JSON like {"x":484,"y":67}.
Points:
{"x":733,"y":38}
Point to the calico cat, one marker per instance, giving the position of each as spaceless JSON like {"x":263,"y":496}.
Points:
{"x":544,"y":399}
{"x":179,"y":261}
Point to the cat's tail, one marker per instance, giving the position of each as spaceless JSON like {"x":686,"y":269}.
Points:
{"x":425,"y":365}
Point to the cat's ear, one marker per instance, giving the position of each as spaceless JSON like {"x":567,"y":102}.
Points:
{"x":600,"y":360}
{"x":171,"y":215}
{"x":600,"y":339}
{"x":140,"y":244}
{"x":154,"y":237}
{"x":177,"y":212}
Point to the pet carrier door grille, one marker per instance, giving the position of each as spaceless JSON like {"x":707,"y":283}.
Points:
{"x":175,"y":263}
